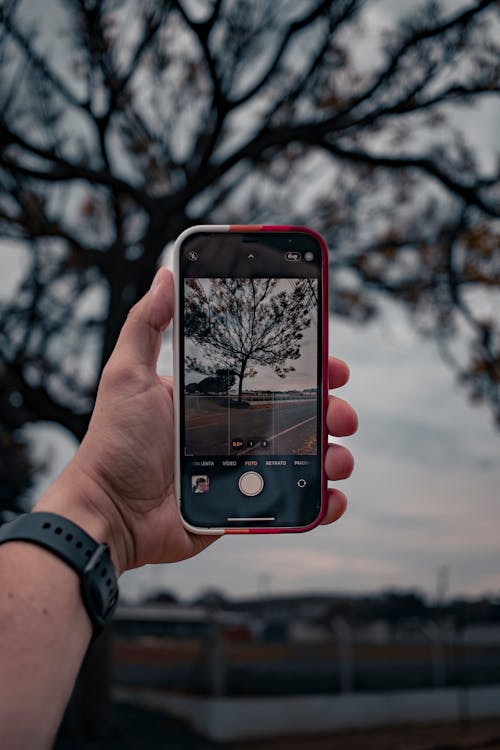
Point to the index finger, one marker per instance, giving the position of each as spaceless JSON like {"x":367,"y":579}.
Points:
{"x":338,"y":372}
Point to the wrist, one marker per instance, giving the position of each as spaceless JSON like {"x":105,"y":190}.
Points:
{"x":77,"y":496}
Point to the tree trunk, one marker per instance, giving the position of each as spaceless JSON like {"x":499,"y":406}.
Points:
{"x":241,"y":375}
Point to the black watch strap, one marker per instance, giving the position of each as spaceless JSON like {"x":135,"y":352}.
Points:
{"x":90,"y":560}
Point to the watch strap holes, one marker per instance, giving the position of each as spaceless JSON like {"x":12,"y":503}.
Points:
{"x":90,"y":559}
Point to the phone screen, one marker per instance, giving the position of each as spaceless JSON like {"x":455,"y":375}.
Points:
{"x":250,"y":368}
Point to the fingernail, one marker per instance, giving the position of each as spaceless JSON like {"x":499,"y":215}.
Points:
{"x":156,"y":280}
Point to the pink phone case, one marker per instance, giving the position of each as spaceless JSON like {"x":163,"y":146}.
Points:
{"x":324,"y":394}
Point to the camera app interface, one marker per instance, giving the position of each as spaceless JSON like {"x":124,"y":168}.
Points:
{"x":251,"y":406}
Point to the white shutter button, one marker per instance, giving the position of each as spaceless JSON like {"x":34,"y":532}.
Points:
{"x":251,"y":483}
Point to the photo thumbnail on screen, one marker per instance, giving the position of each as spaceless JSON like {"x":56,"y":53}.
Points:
{"x":250,"y":366}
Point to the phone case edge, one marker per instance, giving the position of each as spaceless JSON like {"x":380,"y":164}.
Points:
{"x":177,"y":395}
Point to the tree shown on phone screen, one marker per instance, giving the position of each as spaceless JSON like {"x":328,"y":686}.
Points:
{"x":243,"y":323}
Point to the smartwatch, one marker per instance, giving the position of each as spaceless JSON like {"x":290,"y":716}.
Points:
{"x":88,"y":558}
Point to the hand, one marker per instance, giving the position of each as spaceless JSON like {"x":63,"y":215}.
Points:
{"x":124,"y":468}
{"x":341,"y":420}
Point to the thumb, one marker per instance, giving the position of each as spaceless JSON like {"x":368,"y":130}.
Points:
{"x":140,"y":338}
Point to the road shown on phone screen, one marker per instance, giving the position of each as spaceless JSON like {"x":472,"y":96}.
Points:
{"x":213,"y":426}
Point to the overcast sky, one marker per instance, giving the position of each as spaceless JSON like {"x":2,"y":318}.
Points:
{"x":426,"y":489}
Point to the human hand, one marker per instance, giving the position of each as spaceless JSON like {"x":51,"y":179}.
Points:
{"x":123,"y":471}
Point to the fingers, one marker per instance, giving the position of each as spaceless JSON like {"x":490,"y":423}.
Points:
{"x":338,"y":372}
{"x":140,"y":338}
{"x":339,"y":462}
{"x":161,"y":302}
{"x":341,"y":419}
{"x":337,"y":503}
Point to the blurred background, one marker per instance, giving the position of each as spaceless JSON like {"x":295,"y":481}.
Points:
{"x":377,"y":123}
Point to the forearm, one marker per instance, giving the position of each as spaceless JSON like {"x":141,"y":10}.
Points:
{"x":44,"y":634}
{"x":44,"y":627}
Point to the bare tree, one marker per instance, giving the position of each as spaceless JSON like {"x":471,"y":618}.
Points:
{"x":123,"y":123}
{"x":245,"y":322}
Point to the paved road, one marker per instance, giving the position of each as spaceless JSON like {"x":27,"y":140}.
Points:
{"x":287,"y":426}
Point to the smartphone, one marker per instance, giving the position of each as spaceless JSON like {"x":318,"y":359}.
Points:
{"x":251,"y":382}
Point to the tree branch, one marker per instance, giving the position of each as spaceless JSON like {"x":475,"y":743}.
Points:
{"x":312,"y":133}
{"x":290,"y":32}
{"x":418,"y":36}
{"x":349,"y":10}
{"x":63,"y":169}
{"x":219,"y":103}
{"x":411,"y":104}
{"x":40,"y":64}
{"x":468,"y":193}
{"x":153,"y":25}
